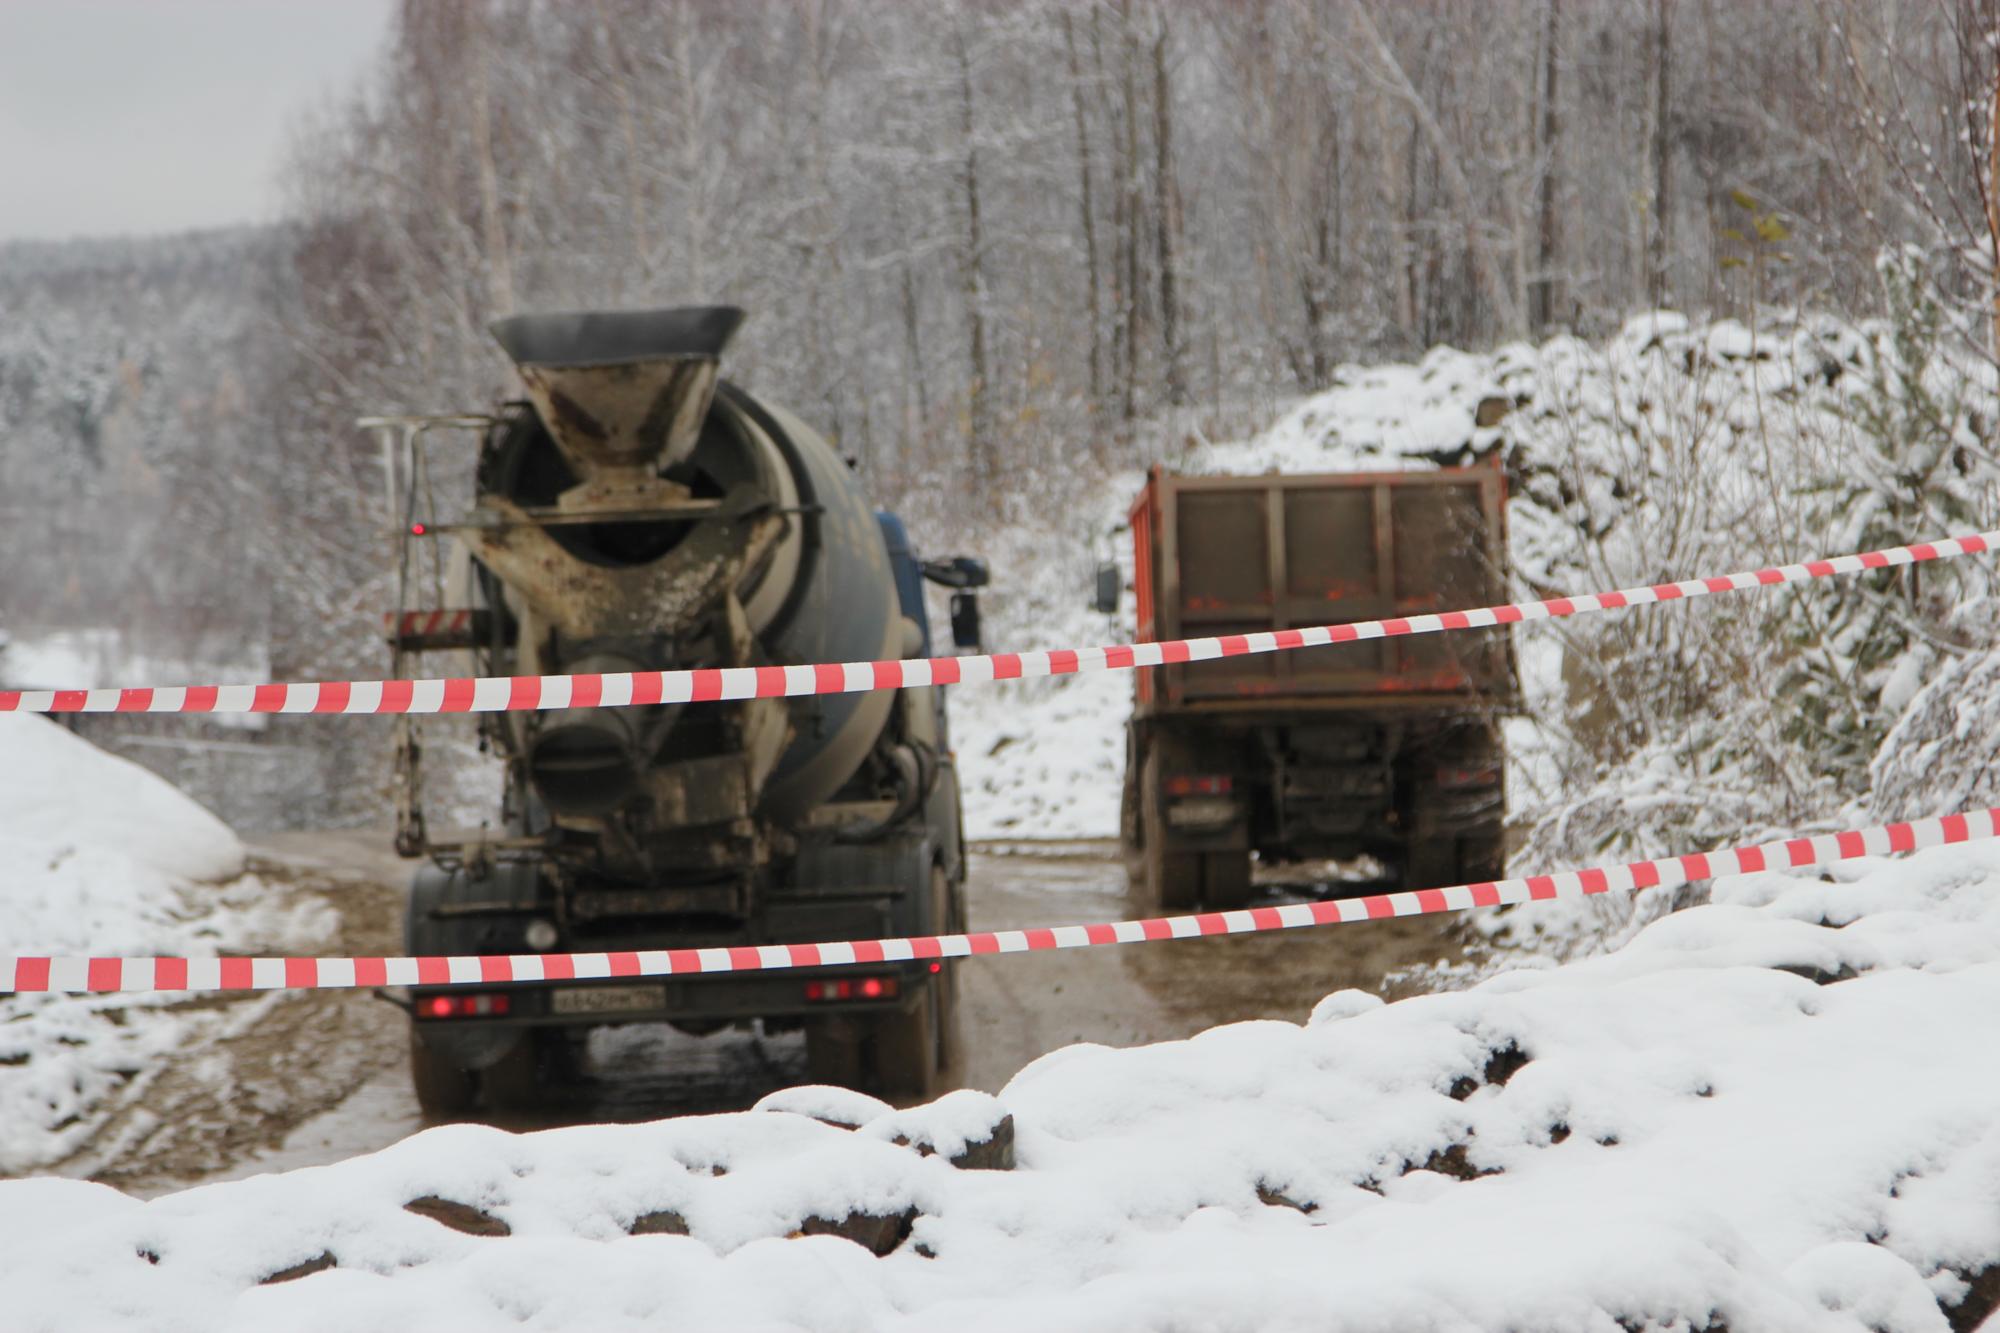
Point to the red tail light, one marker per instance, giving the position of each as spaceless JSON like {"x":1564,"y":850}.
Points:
{"x":853,"y":988}
{"x":457,"y":1004}
{"x":1200,"y":784}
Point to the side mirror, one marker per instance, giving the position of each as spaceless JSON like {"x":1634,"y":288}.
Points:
{"x":961,"y":571}
{"x":965,"y":620}
{"x":1110,"y":585}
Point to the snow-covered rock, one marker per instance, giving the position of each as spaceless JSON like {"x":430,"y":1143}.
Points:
{"x":1685,"y":1133}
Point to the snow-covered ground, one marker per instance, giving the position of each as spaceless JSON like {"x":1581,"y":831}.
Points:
{"x":99,"y":856}
{"x":1773,"y":1112}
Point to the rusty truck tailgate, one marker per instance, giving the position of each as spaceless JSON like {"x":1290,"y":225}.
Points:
{"x":1235,"y":555}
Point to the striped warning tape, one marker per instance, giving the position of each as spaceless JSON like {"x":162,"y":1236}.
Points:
{"x":409,"y":624}
{"x":209,"y":974}
{"x":492,"y":694}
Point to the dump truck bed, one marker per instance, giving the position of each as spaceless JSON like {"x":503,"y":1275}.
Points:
{"x":1238,"y":555}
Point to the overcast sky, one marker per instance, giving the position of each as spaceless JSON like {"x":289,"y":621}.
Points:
{"x":133,"y":116}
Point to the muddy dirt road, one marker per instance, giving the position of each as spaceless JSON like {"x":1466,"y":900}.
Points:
{"x":306,"y":1079}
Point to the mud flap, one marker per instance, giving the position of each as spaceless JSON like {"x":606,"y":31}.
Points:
{"x":450,"y":912}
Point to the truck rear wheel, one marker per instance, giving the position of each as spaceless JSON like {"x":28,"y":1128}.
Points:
{"x":1225,"y":880}
{"x":515,"y":1082}
{"x":893,"y":1055}
{"x":1431,"y":861}
{"x":1131,"y":831}
{"x":1438,"y":860}
{"x":914,"y":1047}
{"x":906,"y":1047}
{"x":1482,"y":857}
{"x":444,"y":1091}
{"x":901,"y":1054}
{"x":1171,"y":879}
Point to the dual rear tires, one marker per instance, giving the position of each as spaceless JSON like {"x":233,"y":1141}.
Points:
{"x":1450,"y":818}
{"x":1174,"y":882}
{"x":1436,"y":859}
{"x":1166,"y":877}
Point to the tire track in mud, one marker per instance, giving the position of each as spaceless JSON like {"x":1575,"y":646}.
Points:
{"x":254,"y":1067}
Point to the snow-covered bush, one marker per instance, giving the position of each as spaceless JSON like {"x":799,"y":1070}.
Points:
{"x":1677,"y":451}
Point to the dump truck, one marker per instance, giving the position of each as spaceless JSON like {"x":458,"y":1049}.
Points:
{"x":637,"y":513}
{"x":1385,"y":748}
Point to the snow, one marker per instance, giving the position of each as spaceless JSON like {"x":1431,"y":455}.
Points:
{"x":99,"y":856}
{"x":58,"y":789}
{"x":104,"y":658}
{"x":1691,"y":1135}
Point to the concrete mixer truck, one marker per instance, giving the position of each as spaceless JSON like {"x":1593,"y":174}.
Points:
{"x":637,"y":513}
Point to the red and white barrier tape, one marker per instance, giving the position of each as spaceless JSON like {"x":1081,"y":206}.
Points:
{"x":228,"y":974}
{"x":411,"y":624}
{"x":492,"y":694}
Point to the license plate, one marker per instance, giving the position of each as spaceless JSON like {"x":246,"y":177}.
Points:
{"x":608,"y":999}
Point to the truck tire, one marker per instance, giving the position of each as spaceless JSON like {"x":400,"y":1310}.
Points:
{"x":906,"y":1053}
{"x":949,"y":913}
{"x":1482,"y":857}
{"x":1225,"y":880}
{"x":906,"y":1048}
{"x":833,"y":1052}
{"x":514,"y":1082}
{"x":1172,"y":879}
{"x":913,"y":1047}
{"x":444,"y":1091}
{"x":1431,"y":861}
{"x":1131,"y":830}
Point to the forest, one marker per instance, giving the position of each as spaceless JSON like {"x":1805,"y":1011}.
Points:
{"x":995,"y":251}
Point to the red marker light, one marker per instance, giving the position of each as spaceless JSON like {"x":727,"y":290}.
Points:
{"x":937,"y":967}
{"x":418,"y":529}
{"x":871,"y":989}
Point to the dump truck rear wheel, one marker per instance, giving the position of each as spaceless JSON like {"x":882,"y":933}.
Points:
{"x":1482,"y":857}
{"x":1131,"y":829}
{"x":1172,"y":880}
{"x":1225,"y":880}
{"x":444,"y":1091}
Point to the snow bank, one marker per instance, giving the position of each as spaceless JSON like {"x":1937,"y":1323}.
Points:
{"x":1707,"y":1128}
{"x":97,"y":855}
{"x":59,"y":789}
